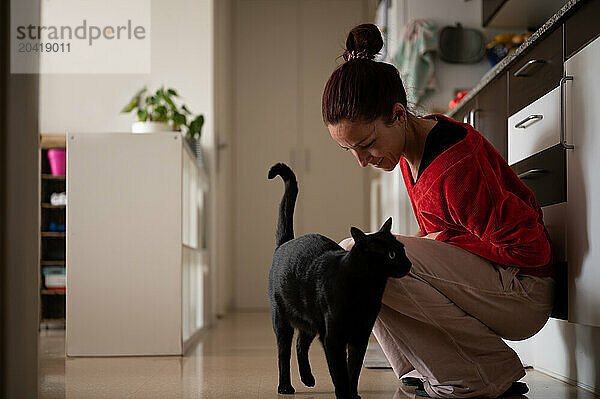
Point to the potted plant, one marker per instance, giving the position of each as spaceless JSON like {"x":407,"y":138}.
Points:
{"x":158,"y":112}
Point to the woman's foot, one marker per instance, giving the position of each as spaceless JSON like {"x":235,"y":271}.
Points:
{"x":516,"y":389}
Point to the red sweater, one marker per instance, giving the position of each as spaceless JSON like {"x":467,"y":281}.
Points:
{"x":476,"y":200}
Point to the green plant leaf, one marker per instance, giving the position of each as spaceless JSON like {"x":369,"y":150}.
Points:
{"x":172,"y":92}
{"x":130,"y":106}
{"x":151,"y":100}
{"x":195,"y":127}
{"x":161,"y":113}
{"x":186,"y":110}
{"x":142,"y":115}
{"x":170,"y":102}
{"x":179,"y":119}
{"x":135,"y":101}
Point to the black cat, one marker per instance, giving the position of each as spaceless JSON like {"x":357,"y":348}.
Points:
{"x":319,"y":288}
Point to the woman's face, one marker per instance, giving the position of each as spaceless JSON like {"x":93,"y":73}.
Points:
{"x":371,"y":144}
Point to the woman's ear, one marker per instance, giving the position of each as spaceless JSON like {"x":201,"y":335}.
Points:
{"x":399,"y":112}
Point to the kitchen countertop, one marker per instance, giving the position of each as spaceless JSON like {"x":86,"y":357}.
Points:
{"x":508,"y":60}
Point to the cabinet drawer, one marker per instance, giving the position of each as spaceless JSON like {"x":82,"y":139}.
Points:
{"x":538,"y":72}
{"x":534,"y":128}
{"x":544,"y":174}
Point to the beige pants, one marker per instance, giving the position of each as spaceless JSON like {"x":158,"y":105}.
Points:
{"x":447,"y":318}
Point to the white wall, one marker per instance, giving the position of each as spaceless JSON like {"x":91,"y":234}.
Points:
{"x":567,"y":351}
{"x":181,"y":57}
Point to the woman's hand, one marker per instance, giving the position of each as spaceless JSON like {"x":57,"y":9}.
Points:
{"x":347,"y":243}
{"x":432,"y":236}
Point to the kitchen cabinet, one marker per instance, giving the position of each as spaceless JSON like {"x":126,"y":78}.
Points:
{"x":536,"y":73}
{"x":490,"y":114}
{"x":582,"y":102}
{"x":487,"y":114}
{"x":581,"y":28}
{"x":535,"y":128}
{"x":489,"y":8}
{"x":464,"y":114}
{"x":518,"y":13}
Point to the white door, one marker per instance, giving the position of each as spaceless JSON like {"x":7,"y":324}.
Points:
{"x":333,"y":192}
{"x":284,"y":52}
{"x":583,"y":185}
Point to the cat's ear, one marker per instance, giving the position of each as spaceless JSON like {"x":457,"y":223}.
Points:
{"x":357,"y":234}
{"x":387,"y":226}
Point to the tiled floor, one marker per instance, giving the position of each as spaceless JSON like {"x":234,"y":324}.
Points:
{"x":235,"y":359}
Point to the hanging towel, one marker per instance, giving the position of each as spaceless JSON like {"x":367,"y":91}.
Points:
{"x":415,"y":59}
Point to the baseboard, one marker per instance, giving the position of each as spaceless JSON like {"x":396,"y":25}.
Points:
{"x":567,"y":380}
{"x":191,"y":341}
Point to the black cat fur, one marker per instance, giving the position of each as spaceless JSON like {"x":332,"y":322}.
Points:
{"x":321,"y":289}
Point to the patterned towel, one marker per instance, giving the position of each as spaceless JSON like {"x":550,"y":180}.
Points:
{"x":415,"y":59}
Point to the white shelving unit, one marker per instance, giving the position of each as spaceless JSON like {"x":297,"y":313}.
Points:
{"x":136,"y":262}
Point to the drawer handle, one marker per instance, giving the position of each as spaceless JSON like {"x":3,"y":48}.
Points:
{"x":563,"y":140}
{"x":521,"y":125}
{"x":530,"y":172}
{"x":521,"y":72}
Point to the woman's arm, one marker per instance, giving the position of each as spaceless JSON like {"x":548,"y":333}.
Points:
{"x":509,"y":229}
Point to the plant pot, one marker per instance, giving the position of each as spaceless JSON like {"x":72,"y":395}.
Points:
{"x":150,"y":127}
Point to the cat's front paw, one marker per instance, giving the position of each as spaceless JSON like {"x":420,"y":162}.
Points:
{"x":286,"y":390}
{"x":308,"y":380}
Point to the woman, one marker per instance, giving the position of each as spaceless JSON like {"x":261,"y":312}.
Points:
{"x":483,"y":271}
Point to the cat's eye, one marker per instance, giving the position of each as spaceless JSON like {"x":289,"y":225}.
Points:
{"x":392,"y":254}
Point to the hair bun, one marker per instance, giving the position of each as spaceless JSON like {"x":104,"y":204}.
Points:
{"x":365,"y":39}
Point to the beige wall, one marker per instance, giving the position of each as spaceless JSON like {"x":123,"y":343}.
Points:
{"x":223,"y":103}
{"x":182,"y":48}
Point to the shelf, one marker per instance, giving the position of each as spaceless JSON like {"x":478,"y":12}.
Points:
{"x":53,"y":320}
{"x":54,"y":234}
{"x":53,"y":140}
{"x":52,"y":243}
{"x":53,"y":292}
{"x":47,"y":205}
{"x":52,"y":263}
{"x":47,"y":176}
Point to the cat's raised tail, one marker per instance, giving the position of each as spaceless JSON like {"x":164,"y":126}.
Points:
{"x":285,"y":224}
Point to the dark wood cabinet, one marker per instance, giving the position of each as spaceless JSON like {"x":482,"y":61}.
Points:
{"x":537,"y":72}
{"x":582,"y":27}
{"x":463,"y":114}
{"x":489,"y":8}
{"x":490,"y":114}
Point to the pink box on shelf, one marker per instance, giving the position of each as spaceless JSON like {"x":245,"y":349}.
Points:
{"x":58,"y":161}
